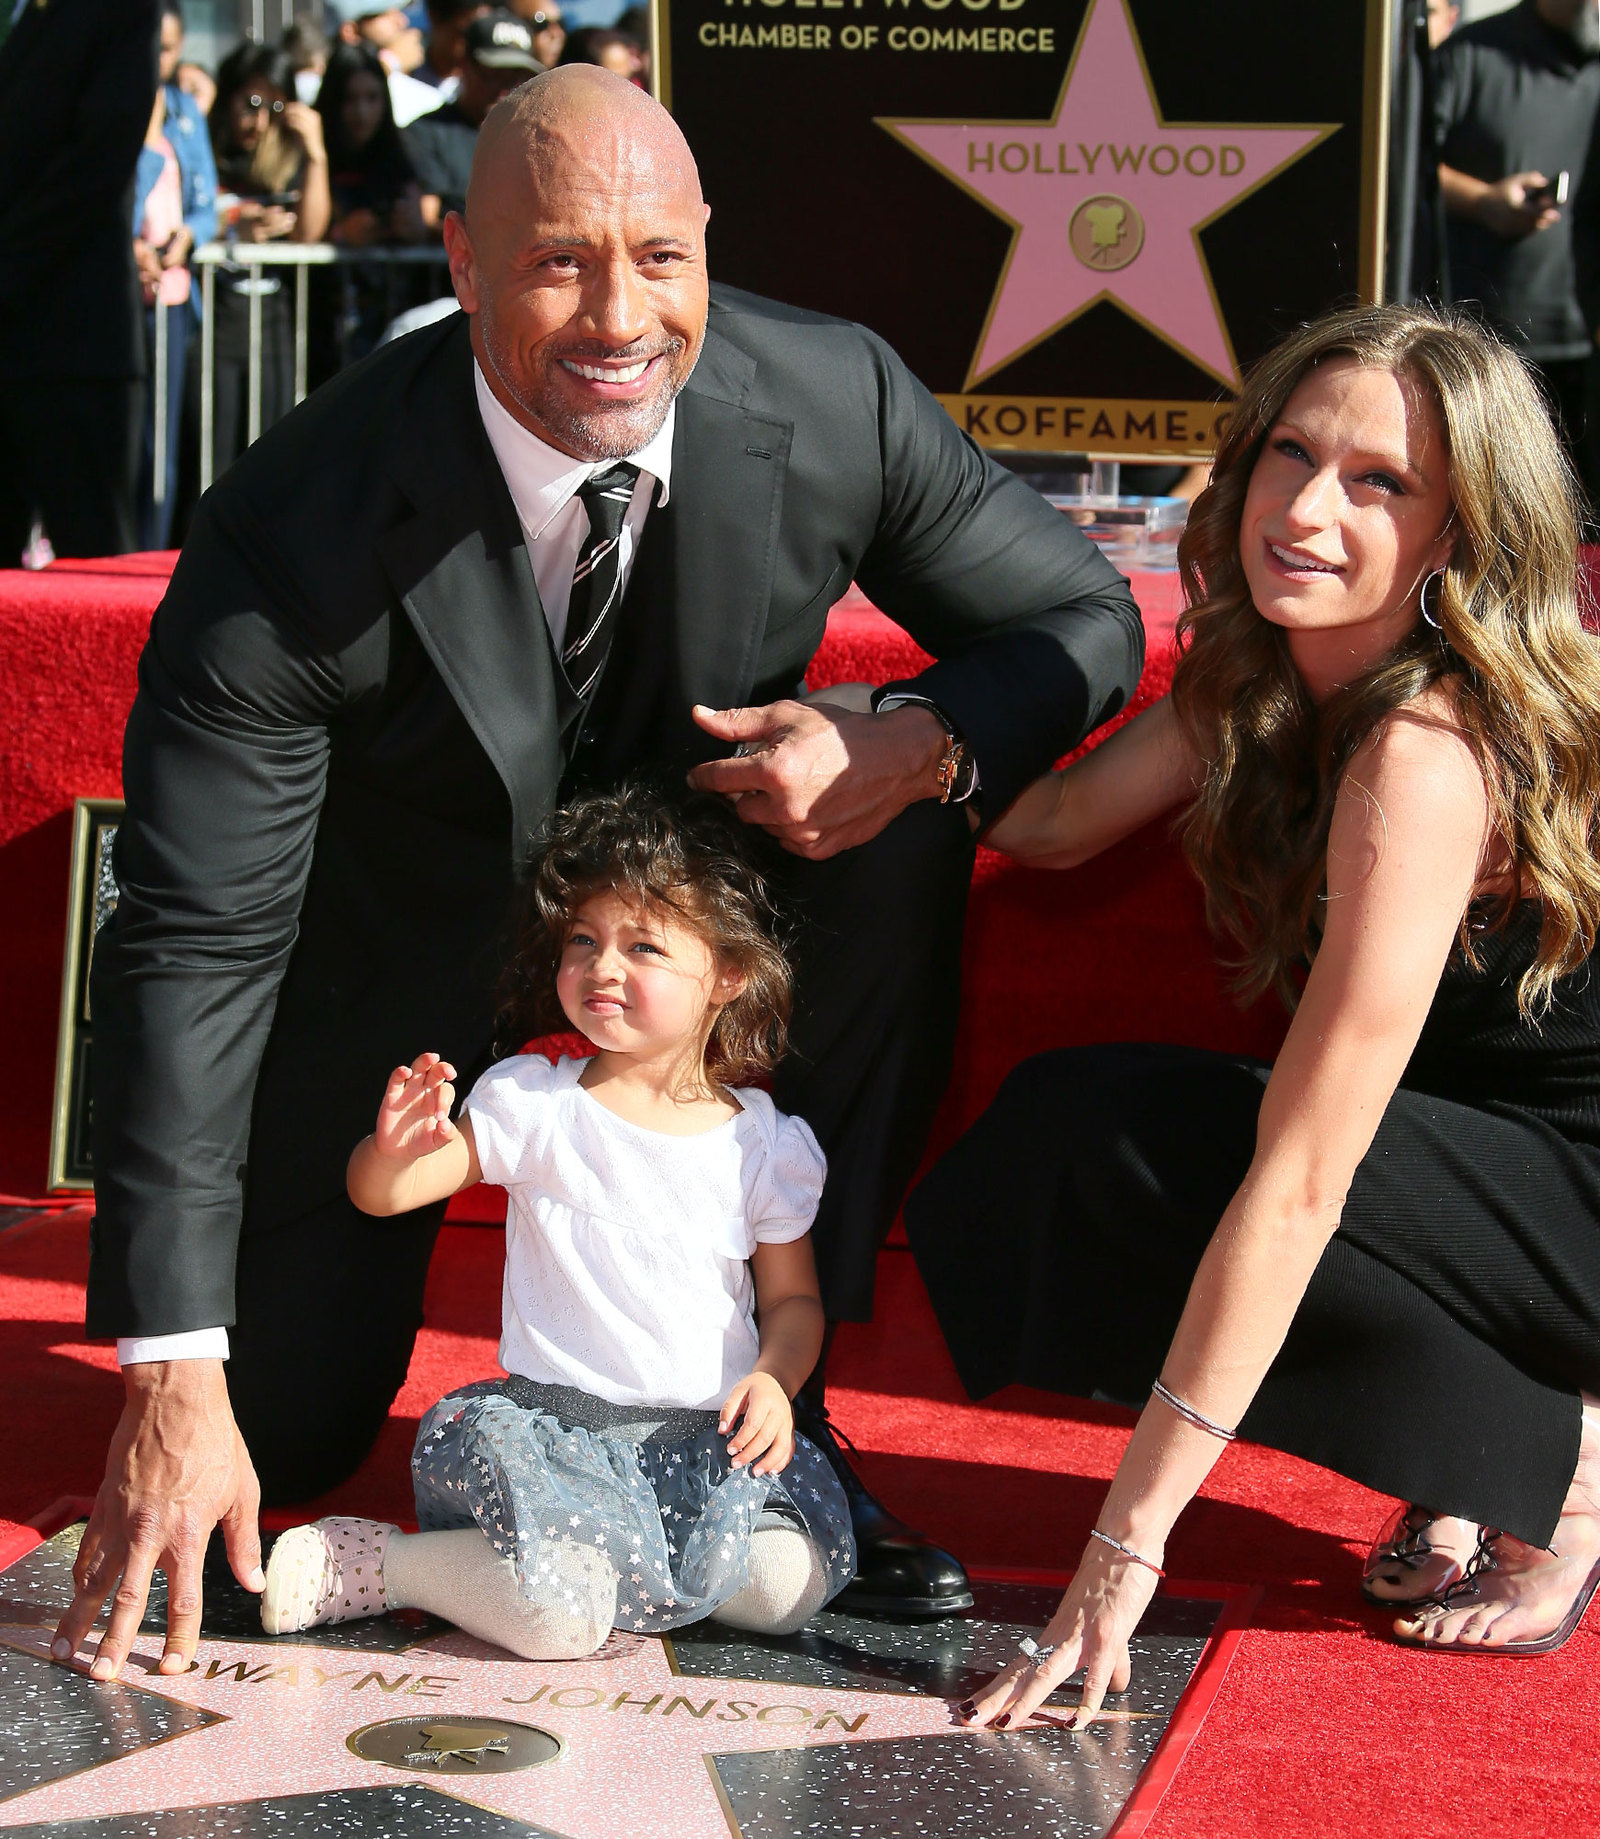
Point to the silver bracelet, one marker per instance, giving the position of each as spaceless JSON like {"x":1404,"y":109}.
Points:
{"x":1190,"y":1416}
{"x":1126,"y":1550}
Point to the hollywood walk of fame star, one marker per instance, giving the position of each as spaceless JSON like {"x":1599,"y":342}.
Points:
{"x":638,"y":1736}
{"x":1106,"y":200}
{"x":403,"y":1728}
{"x":286,"y":1715}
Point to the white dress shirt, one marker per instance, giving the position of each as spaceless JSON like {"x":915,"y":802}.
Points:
{"x":543,"y":483}
{"x":627,"y":1250}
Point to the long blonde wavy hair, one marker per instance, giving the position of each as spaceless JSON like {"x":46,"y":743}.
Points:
{"x":1525,"y":673}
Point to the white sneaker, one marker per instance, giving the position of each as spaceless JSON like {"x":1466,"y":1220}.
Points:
{"x":329,"y":1571}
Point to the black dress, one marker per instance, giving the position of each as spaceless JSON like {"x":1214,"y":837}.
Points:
{"x":1455,"y":1315}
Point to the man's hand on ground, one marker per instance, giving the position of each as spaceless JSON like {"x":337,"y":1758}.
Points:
{"x":177,"y":1467}
{"x":820,"y":778}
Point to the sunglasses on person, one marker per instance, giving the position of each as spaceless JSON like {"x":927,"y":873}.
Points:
{"x":255,"y":104}
{"x":540,"y":21}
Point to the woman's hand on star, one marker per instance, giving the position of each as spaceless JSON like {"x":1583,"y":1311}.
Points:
{"x":1098,"y":1614}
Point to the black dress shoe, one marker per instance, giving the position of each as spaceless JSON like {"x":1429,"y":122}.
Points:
{"x":898,"y":1572}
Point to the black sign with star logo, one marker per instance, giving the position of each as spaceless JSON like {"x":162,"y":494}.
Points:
{"x":1077,"y":220}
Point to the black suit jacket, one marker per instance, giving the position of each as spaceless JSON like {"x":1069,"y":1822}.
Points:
{"x":347,"y":733}
{"x":77,"y":83}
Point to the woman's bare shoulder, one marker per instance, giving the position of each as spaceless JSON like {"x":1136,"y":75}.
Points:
{"x":1423,"y":750}
{"x":1413,"y":797}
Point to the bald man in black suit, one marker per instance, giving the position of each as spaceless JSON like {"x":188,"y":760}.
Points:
{"x":360,"y":701}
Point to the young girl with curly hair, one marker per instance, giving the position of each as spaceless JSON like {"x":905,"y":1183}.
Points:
{"x":638,"y":1466}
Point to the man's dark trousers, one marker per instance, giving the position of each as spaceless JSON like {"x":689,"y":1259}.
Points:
{"x":69,"y":455}
{"x":77,"y":81}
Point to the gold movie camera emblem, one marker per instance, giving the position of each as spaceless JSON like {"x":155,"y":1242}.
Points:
{"x":461,"y":1746}
{"x":1105,"y":233}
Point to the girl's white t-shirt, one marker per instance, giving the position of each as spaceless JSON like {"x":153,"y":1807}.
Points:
{"x":627,"y":1250}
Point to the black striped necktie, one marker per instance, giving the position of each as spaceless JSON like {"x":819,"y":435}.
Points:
{"x":597,"y":580}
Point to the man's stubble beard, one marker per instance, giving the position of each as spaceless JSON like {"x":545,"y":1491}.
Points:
{"x":605,"y":434}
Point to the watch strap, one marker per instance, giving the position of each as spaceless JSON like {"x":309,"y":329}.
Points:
{"x":957,"y":771}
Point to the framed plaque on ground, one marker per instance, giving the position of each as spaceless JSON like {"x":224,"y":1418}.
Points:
{"x":91,"y":900}
{"x":1077,"y":220}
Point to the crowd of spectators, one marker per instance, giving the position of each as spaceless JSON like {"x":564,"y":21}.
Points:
{"x":358,"y":130}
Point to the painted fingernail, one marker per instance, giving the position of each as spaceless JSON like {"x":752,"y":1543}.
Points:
{"x":967,"y":1708}
{"x":61,"y":1648}
{"x":1003,"y":1720}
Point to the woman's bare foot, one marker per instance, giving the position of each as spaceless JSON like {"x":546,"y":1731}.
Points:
{"x":1528,"y":1592}
{"x":1418,"y":1555}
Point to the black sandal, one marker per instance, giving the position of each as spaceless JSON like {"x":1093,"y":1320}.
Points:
{"x":1403,"y":1542}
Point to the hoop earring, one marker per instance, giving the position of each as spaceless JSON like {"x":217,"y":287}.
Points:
{"x":1431,"y":612}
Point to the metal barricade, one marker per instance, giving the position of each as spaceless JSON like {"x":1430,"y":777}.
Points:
{"x":254,"y":258}
{"x":159,"y":420}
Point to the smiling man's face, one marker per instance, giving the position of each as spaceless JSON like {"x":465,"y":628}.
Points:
{"x":582,"y":261}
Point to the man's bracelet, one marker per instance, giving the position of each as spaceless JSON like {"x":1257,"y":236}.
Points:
{"x":957,"y":771}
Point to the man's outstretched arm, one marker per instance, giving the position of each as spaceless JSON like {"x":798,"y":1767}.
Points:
{"x":224,"y":766}
{"x":1037,"y":641}
{"x":177,"y":1467}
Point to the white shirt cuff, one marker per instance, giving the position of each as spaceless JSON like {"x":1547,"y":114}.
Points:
{"x":193,"y":1344}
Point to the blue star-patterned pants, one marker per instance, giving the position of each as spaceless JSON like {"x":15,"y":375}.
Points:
{"x":651,"y":1487}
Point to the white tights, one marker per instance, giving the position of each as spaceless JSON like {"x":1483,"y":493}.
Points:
{"x":460,"y":1577}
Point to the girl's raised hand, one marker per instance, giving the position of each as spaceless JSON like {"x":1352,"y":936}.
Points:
{"x":765,"y":1439}
{"x":414,"y":1118}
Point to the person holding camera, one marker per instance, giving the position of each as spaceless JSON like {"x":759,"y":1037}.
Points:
{"x":1516,"y":99}
{"x":272,"y":180}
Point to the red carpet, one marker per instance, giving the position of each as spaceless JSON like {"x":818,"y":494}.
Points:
{"x":1321,"y":1729}
{"x":1125,"y":937}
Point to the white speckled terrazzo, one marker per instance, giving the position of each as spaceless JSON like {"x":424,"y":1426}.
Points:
{"x":844,"y":1729}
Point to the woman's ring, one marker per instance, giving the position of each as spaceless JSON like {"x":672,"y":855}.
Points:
{"x":1038,"y":1655}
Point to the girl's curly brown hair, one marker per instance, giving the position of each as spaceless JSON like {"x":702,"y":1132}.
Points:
{"x":685,"y":855}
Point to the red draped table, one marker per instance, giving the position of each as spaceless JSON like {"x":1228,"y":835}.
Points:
{"x":1116,"y":950}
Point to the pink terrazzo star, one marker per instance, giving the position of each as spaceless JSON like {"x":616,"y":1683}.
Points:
{"x":1107,"y":200}
{"x":638,"y":1735}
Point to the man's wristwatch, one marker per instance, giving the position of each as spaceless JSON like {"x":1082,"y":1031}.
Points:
{"x":957,"y":770}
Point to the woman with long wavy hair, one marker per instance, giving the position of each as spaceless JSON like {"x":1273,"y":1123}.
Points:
{"x":1381,"y":1253}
